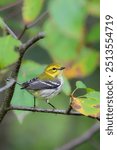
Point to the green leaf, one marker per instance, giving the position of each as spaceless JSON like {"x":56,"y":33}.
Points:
{"x":69,"y":16}
{"x":94,"y":34}
{"x":7,"y":53}
{"x":60,"y":47}
{"x":31,"y":10}
{"x":92,"y":94}
{"x":90,"y":90}
{"x":80,"y":85}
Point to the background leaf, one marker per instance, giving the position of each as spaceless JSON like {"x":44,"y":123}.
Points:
{"x":87,"y":61}
{"x":69,"y":16}
{"x":94,"y":34}
{"x":56,"y":44}
{"x":8,"y":55}
{"x":31,"y":9}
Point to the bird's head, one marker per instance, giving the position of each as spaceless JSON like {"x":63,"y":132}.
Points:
{"x":54,"y":70}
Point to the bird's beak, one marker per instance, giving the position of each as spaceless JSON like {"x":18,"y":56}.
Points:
{"x":62,"y":68}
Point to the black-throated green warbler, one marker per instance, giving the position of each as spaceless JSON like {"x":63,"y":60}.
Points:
{"x":46,"y":85}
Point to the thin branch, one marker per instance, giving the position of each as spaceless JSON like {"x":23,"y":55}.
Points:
{"x":70,"y":107}
{"x":9,"y":94}
{"x":80,"y":140}
{"x":38,"y":19}
{"x":10,"y":5}
{"x":30,"y":42}
{"x":8,"y":85}
{"x":9,"y":30}
{"x":22,"y":33}
{"x":26,"y":27}
{"x":53,"y":111}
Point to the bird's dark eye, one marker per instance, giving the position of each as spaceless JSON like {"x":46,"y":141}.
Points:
{"x":54,"y":68}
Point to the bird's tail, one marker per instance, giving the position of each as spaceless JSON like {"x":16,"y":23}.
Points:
{"x":9,"y":79}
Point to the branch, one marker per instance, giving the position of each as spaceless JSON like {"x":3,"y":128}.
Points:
{"x":15,"y":70}
{"x":38,"y":19}
{"x":26,"y":27}
{"x":30,"y":42}
{"x":80,"y":140}
{"x":9,"y":30}
{"x":10,"y":5}
{"x":53,"y":111}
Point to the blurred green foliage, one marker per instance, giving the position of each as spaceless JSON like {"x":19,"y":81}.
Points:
{"x":8,"y":55}
{"x":28,"y":5}
{"x":72,"y":39}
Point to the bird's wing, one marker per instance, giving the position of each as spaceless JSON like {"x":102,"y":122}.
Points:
{"x":36,"y":84}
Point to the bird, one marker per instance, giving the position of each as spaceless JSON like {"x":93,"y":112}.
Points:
{"x":46,"y":85}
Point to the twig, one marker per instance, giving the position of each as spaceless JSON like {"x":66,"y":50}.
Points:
{"x":8,"y":85}
{"x":26,"y":27}
{"x":9,"y":30}
{"x":9,"y":94}
{"x":38,"y":19}
{"x":10,"y":5}
{"x":80,"y":140}
{"x":22,"y":33}
{"x":54,"y":111}
{"x":30,"y":42}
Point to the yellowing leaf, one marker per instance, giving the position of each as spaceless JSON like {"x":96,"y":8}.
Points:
{"x":94,"y":7}
{"x":31,"y":9}
{"x":88,"y":105}
{"x":86,"y":63}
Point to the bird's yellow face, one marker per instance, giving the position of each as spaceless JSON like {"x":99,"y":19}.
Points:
{"x":54,"y":70}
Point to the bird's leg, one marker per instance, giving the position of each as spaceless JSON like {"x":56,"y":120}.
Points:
{"x":50,"y":104}
{"x":34,"y":101}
